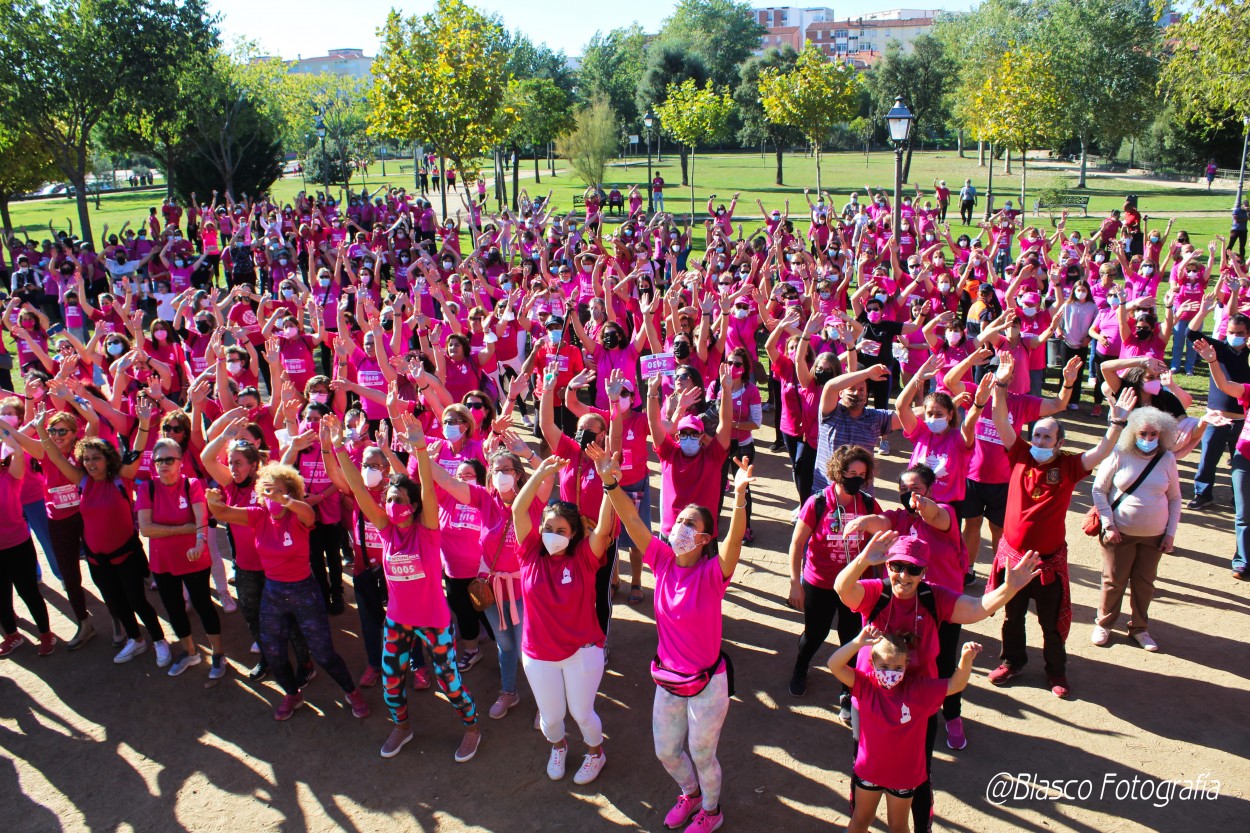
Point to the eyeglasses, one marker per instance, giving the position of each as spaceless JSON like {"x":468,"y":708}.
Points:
{"x":59,"y":432}
{"x":898,"y":567}
{"x":165,"y":461}
{"x":688,"y":435}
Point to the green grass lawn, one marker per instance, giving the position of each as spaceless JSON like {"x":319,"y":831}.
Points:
{"x":753,"y":175}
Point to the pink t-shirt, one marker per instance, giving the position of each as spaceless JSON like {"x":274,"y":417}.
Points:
{"x":687,"y":609}
{"x":828,"y":550}
{"x":461,"y":536}
{"x":245,"y":555}
{"x":104,"y":507}
{"x":686,"y":480}
{"x":579,"y":482}
{"x":414,"y":589}
{"x":892,"y":726}
{"x":948,"y":559}
{"x":559,"y":594}
{"x":61,"y":497}
{"x":170,"y":507}
{"x":907,"y":615}
{"x":281,"y":543}
{"x":742,"y":401}
{"x":13,"y":526}
{"x":989,"y":459}
{"x":947,"y":455}
{"x":312,"y":467}
{"x":297,"y":360}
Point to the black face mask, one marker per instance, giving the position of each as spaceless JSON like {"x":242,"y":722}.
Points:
{"x":584,"y":437}
{"x":611,"y":340}
{"x":851,"y":484}
{"x":204,"y":326}
{"x":904,"y":495}
{"x":681,"y":350}
{"x":387,"y":325}
{"x":823,"y":377}
{"x":1144,"y":332}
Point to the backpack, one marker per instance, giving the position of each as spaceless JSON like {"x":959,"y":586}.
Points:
{"x":924,"y":593}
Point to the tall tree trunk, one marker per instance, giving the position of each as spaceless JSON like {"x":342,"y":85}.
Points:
{"x":4,"y":212}
{"x":780,"y":155}
{"x":169,"y":176}
{"x":980,"y":153}
{"x":959,"y":139}
{"x":818,"y":185}
{"x":683,"y":166}
{"x":907,"y":164}
{"x":537,"y":177}
{"x":1080,"y":182}
{"x":1007,"y":162}
{"x":685,"y":175}
{"x":78,"y":179}
{"x":1024,"y":175}
{"x":442,"y":182}
{"x":515,"y":161}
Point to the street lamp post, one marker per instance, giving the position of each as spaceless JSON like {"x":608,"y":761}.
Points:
{"x":900,"y":121}
{"x":1241,"y":177}
{"x":648,"y":121}
{"x":325,"y":162}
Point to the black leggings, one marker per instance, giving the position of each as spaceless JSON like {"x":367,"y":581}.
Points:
{"x":803,"y":462}
{"x":729,"y":470}
{"x":603,"y":589}
{"x":169,"y":586}
{"x":947,"y":661}
{"x":820,"y":608}
{"x":19,"y":570}
{"x":66,"y":535}
{"x":323,"y":556}
{"x":468,"y":623}
{"x":121,"y":585}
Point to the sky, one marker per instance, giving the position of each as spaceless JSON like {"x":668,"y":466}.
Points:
{"x":283,"y":29}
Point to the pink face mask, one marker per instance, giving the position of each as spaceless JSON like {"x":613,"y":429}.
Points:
{"x":398,"y":512}
{"x":874,"y":316}
{"x":275,"y":507}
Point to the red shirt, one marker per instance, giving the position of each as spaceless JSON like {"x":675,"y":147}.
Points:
{"x":892,"y":726}
{"x":1038,"y":496}
{"x":281,"y":543}
{"x":104,"y":505}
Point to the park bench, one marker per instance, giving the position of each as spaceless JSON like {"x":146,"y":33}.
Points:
{"x":579,"y":203}
{"x":1065,"y":202}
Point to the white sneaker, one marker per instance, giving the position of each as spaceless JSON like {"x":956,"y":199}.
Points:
{"x":1147,"y":641}
{"x":1100,"y":636}
{"x":591,"y":766}
{"x":130,"y":650}
{"x":184,"y":662}
{"x":163,"y":656}
{"x":555,"y":764}
{"x":883,"y":446}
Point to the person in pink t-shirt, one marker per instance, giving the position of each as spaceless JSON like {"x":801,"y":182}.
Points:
{"x":562,"y":644}
{"x":173,"y":516}
{"x":18,"y":562}
{"x":416,"y":608}
{"x":691,"y":672}
{"x":939,"y":444}
{"x":894,"y":711}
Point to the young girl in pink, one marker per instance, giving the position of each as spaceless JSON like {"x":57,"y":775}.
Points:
{"x":894,"y":708}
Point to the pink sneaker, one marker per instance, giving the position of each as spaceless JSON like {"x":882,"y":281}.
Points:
{"x":685,"y":807}
{"x":360,"y":708}
{"x":705,"y":822}
{"x":955,"y":737}
{"x":286,"y":708}
{"x":11,"y":643}
{"x":421,"y":678}
{"x":370,"y":678}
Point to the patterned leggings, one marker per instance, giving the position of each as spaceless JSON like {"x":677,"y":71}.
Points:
{"x":677,"y":722}
{"x":289,"y":606}
{"x":397,"y":644}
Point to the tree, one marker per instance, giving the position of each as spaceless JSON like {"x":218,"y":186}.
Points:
{"x":592,"y":142}
{"x":528,"y":60}
{"x":1206,"y":71}
{"x":24,"y":167}
{"x":543,"y":112}
{"x":813,"y":97}
{"x":669,"y":65}
{"x":64,"y":64}
{"x":756,"y":128}
{"x":612,"y":68}
{"x":1020,"y":105}
{"x":723,"y":33}
{"x":440,"y":79}
{"x":692,"y":116}
{"x":922,"y":78}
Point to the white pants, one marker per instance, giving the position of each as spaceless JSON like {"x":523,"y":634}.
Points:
{"x":676,"y":720}
{"x":568,"y":685}
{"x":218,"y":546}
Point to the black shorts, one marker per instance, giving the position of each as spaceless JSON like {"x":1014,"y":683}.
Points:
{"x":988,"y":500}
{"x":873,"y":788}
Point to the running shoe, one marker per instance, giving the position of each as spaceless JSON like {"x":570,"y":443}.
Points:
{"x":591,"y":766}
{"x":682,"y":811}
{"x":503,"y":705}
{"x":130,"y":650}
{"x":11,"y":643}
{"x":288,"y":705}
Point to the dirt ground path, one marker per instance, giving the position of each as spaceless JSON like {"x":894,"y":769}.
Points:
{"x":89,"y":746}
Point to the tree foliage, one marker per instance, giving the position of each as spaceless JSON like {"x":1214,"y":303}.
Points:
{"x":592,"y":142}
{"x":756,"y":129}
{"x":723,"y":33}
{"x":694,"y":115}
{"x":1206,"y":72}
{"x":612,"y":68}
{"x":24,"y":166}
{"x":923,"y":78}
{"x":812,"y":97}
{"x":440,"y":79}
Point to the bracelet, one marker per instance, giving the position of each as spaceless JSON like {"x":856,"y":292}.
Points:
{"x":1069,"y":387}
{"x":608,"y":488}
{"x":979,"y":405}
{"x":740,"y":506}
{"x":1001,"y":384}
{"x":1119,"y":423}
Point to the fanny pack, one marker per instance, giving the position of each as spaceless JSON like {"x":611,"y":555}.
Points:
{"x":681,"y":684}
{"x":118,"y":555}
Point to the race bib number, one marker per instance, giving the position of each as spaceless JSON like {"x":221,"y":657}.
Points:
{"x":293,"y":366}
{"x":870,"y":348}
{"x":658,"y":364}
{"x":64,"y":497}
{"x":557,"y":363}
{"x":401,"y":566}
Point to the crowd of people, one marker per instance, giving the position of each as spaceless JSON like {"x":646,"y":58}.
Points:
{"x":464,"y":414}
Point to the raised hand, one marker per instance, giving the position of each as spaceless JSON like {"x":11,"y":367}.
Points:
{"x":877,"y":551}
{"x":744,"y":476}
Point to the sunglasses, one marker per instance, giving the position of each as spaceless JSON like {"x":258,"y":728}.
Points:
{"x":899,"y":567}
{"x":475,"y":406}
{"x":59,"y":432}
{"x":239,"y":445}
{"x":165,"y":461}
{"x":736,"y":364}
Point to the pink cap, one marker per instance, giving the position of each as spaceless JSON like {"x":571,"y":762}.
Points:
{"x":690,"y":423}
{"x":1030,"y":299}
{"x":910,"y":549}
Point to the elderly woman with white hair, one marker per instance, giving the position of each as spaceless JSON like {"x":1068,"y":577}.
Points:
{"x":1138,"y":497}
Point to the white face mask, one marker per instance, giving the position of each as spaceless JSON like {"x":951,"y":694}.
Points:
{"x":1029,"y":311}
{"x":683,"y":538}
{"x":372,"y":477}
{"x":937,"y":424}
{"x":290,"y":332}
{"x":887,"y":678}
{"x":234,"y":367}
{"x":1081,"y":294}
{"x":944,"y":287}
{"x":555,"y":542}
{"x":953,"y":337}
{"x":452,"y":432}
{"x":503,"y":481}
